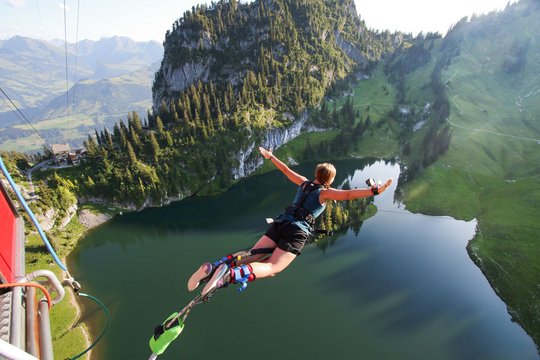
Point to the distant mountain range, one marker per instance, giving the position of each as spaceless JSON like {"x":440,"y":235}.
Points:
{"x":106,"y":79}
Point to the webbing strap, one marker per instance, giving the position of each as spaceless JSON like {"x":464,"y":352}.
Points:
{"x":307,"y":188}
{"x":297,"y":209}
{"x":224,"y":260}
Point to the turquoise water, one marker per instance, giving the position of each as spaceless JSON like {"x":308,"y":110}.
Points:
{"x":401,"y":286}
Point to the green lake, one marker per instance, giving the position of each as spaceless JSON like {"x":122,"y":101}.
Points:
{"x":400,"y":286}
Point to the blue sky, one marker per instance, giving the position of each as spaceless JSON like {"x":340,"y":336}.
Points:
{"x":150,"y":19}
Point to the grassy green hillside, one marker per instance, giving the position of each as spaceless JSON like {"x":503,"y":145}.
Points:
{"x":492,"y":169}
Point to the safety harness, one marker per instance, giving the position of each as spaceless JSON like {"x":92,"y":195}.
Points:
{"x":297,"y":210}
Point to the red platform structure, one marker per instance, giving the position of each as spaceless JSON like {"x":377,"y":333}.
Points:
{"x":24,"y":317}
{"x":10,"y":233}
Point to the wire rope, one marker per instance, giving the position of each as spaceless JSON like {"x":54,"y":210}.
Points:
{"x":76,"y":56}
{"x":19,"y":114}
{"x":67,"y":76}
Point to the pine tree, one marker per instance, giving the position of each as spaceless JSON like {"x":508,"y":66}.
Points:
{"x":206,"y":114}
{"x":135,"y":122}
{"x":98,"y":138}
{"x":108,"y":140}
{"x":135,"y":140}
{"x":131,"y":154}
{"x":219,"y":117}
{"x":91,"y":147}
{"x":154,"y":148}
{"x":226,"y":106}
{"x":168,"y":139}
{"x":159,"y":127}
{"x":119,"y":136}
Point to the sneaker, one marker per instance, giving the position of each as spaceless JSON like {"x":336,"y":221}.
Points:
{"x":220,"y":279}
{"x":201,"y":275}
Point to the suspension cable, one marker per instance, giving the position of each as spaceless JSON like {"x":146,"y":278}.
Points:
{"x":76,"y":55}
{"x":67,"y":76}
{"x":19,"y":114}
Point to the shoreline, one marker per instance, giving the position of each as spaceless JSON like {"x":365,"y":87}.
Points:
{"x":89,"y":220}
{"x":73,"y":301}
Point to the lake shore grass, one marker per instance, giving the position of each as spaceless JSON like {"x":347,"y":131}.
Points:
{"x":70,"y":335}
{"x":505,"y":245}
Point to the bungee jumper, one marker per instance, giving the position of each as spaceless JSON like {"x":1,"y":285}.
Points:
{"x":288,"y":232}
{"x":277,"y":248}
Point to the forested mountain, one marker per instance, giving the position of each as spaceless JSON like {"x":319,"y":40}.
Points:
{"x":232,"y":75}
{"x":288,"y":54}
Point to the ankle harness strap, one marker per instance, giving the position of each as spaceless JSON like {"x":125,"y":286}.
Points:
{"x":242,"y":275}
{"x":229,"y":260}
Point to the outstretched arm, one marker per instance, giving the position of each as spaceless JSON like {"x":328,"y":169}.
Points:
{"x":335,"y":194}
{"x":291,"y":175}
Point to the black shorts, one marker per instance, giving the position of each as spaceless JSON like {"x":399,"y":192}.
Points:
{"x":288,"y":237}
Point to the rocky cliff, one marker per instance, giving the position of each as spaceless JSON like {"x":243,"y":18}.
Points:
{"x":275,"y":54}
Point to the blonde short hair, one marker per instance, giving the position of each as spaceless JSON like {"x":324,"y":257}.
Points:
{"x":324,"y":173}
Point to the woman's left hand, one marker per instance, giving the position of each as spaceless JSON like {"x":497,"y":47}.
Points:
{"x":382,"y":188}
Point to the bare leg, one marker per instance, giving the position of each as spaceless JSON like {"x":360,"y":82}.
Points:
{"x":279,"y":260}
{"x":264,"y":243}
{"x":271,"y":266}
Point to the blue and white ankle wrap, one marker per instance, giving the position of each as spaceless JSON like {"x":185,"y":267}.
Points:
{"x":242,"y":275}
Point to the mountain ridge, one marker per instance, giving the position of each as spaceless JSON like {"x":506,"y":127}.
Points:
{"x":29,"y":64}
{"x":34,"y":76}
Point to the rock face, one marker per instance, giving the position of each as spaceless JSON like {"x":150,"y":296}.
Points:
{"x":272,"y":140}
{"x":349,"y":49}
{"x":177,"y":79}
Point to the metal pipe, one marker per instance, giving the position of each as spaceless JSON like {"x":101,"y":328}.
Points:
{"x":17,"y":326}
{"x":53,"y":280}
{"x":16,"y":334}
{"x":12,"y":352}
{"x":31,"y":321}
{"x":32,"y":330}
{"x":45,"y":338}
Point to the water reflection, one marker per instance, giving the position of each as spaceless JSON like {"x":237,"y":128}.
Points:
{"x":400,"y":285}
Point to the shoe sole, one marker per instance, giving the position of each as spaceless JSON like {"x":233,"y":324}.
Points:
{"x":199,"y":275}
{"x":211,"y":286}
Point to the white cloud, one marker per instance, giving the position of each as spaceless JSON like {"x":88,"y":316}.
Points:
{"x":17,"y":3}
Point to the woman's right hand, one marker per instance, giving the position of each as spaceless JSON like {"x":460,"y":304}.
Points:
{"x":267,"y":154}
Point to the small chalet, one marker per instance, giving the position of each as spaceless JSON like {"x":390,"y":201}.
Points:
{"x":60,"y":153}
